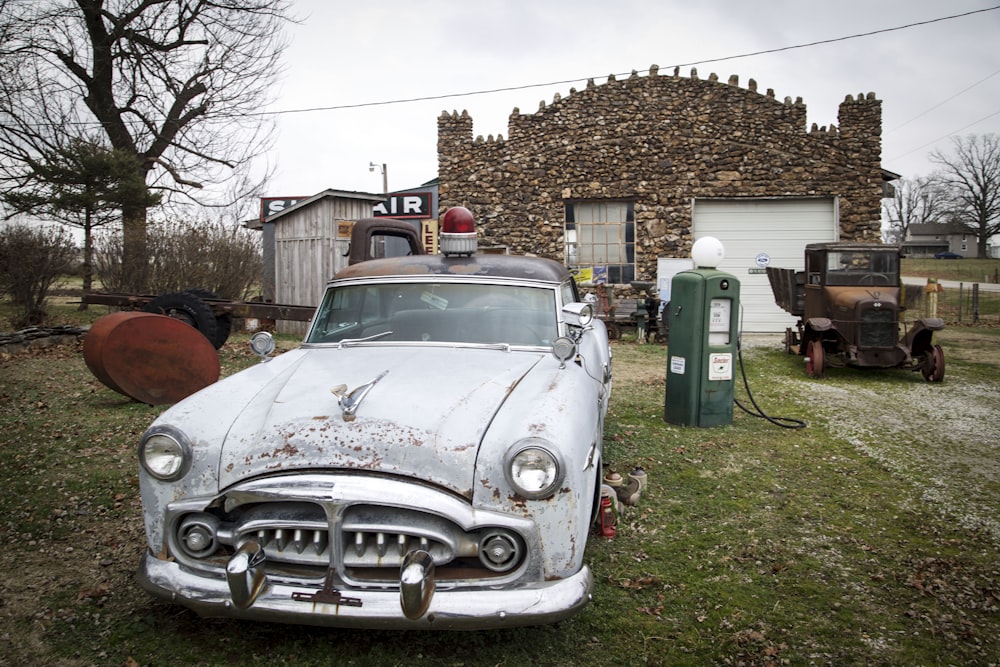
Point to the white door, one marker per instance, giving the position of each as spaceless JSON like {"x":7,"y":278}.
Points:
{"x":757,"y":233}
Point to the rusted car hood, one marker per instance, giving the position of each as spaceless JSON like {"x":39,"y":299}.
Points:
{"x":424,"y":418}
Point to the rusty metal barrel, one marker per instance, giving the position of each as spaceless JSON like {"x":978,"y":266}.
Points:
{"x":151,"y":358}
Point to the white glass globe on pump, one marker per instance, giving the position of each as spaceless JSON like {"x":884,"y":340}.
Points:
{"x":707,"y":252}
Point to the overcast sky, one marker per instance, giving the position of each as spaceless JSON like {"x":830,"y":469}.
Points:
{"x":359,"y":61}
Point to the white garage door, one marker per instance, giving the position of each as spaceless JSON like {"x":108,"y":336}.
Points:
{"x":756,"y":232}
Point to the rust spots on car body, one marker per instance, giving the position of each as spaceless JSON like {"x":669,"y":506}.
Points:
{"x":518,"y":501}
{"x":287,"y":451}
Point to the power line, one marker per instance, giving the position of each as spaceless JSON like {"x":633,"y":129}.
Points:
{"x":490,"y":91}
{"x":945,"y":136}
{"x":943,"y":102}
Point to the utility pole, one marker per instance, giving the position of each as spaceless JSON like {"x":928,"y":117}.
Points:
{"x":385,"y":175}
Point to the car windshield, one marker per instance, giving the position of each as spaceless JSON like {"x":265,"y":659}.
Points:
{"x":862,"y":268}
{"x":437,"y":312}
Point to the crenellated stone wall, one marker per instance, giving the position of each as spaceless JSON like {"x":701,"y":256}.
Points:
{"x":660,"y":141}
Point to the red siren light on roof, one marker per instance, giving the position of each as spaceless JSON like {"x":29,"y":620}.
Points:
{"x":458,"y":220}
{"x":458,"y":232}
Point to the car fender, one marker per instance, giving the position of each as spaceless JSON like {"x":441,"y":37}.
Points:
{"x":206,"y":430}
{"x":560,"y":405}
{"x":819,"y":324}
{"x":920,"y":334}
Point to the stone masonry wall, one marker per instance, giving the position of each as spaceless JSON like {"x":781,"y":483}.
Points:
{"x":659,"y":141}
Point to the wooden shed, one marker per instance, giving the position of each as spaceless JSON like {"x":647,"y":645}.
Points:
{"x":306,"y":243}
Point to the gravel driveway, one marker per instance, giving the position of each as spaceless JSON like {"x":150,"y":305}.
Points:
{"x":945,"y":438}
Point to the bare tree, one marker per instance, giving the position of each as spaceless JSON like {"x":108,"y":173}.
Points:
{"x":178,"y":85}
{"x":971,"y":177}
{"x":915,"y":202}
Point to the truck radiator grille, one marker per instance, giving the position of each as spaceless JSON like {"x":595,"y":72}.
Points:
{"x":878,"y":328}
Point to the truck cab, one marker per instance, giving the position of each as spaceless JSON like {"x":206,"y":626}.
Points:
{"x":850,"y":301}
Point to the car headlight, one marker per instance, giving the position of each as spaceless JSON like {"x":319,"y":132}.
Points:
{"x":164,"y":453}
{"x":533,"y":469}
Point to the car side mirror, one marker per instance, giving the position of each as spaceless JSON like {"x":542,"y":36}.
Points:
{"x":262,"y":344}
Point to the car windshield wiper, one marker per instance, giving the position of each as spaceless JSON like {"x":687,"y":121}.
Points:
{"x":352,"y":341}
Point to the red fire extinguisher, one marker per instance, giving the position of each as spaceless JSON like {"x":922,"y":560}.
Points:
{"x":608,"y":518}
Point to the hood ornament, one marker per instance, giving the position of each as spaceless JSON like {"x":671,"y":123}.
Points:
{"x":350,"y":400}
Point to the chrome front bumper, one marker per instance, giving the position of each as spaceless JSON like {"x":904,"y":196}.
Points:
{"x":250,"y":594}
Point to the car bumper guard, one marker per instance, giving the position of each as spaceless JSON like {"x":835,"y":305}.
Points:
{"x":248,"y":593}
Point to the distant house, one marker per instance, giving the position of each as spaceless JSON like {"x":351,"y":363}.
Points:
{"x":927,"y":240}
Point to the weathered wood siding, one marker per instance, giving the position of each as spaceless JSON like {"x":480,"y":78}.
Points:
{"x":308,"y":253}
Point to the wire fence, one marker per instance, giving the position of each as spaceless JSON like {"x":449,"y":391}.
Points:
{"x":967,"y":304}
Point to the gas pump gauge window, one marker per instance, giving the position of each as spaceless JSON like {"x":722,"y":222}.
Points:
{"x":720,"y":311}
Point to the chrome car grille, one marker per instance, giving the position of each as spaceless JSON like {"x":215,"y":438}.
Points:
{"x":370,"y":536}
{"x":370,"y":531}
{"x":363,"y":541}
{"x":306,"y":546}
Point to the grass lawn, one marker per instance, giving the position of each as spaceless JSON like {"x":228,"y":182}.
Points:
{"x":963,"y":270}
{"x":868,"y":537}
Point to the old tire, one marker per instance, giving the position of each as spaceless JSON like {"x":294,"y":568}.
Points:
{"x":815,"y":359}
{"x":933,"y":368}
{"x":223,"y":322}
{"x":188,"y":308}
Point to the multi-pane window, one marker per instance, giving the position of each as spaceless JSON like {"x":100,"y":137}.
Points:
{"x":601,"y":235}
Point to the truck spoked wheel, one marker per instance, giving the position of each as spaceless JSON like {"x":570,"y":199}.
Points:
{"x":815,"y":359}
{"x":933,"y":368}
{"x":189,"y":309}
{"x":223,"y":322}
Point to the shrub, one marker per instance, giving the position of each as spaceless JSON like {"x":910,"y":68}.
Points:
{"x":31,"y":258}
{"x":223,"y":259}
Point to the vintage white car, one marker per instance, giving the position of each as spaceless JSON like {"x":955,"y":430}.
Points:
{"x":430,"y":457}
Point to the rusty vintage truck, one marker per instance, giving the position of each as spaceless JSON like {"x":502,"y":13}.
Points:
{"x":850,"y":304}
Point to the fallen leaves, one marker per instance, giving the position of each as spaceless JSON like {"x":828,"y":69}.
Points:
{"x":639,"y":583}
{"x":97,"y":593}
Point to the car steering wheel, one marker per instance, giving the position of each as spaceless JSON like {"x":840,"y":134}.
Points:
{"x":875,"y":279}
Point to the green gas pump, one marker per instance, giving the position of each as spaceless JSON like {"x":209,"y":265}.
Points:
{"x":701,"y":354}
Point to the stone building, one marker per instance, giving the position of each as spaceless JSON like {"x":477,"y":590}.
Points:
{"x":629,"y":172}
